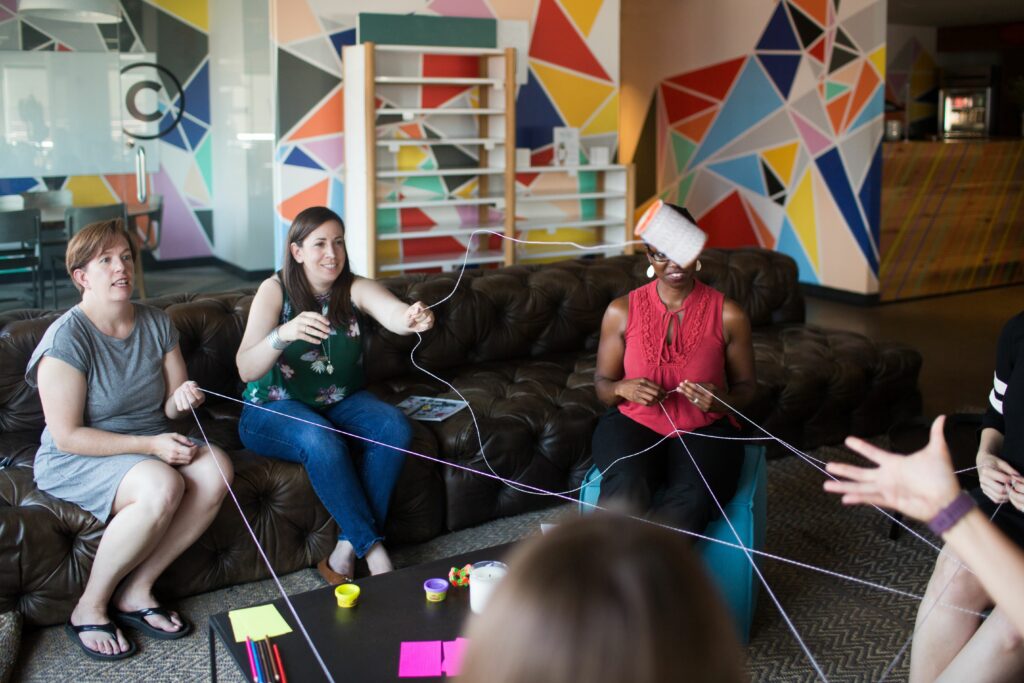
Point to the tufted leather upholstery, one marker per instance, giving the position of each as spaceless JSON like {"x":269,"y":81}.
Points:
{"x":519,"y":343}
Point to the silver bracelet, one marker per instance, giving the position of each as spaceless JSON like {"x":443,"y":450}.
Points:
{"x":275,"y":340}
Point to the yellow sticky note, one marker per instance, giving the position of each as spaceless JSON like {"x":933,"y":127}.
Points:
{"x":257,"y":622}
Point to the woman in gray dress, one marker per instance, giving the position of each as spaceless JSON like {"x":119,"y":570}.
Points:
{"x":110,"y":376}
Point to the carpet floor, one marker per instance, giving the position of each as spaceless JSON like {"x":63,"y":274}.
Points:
{"x":853,"y":632}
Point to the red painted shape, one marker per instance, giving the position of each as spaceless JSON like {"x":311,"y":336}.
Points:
{"x":539,"y":158}
{"x":727,"y":225}
{"x":697,"y":126}
{"x":458,"y":66}
{"x":557,"y":41}
{"x":714,"y":80}
{"x":680,"y":104}
{"x":816,"y":9}
{"x":414,"y":220}
{"x":836,"y":109}
{"x":429,"y":246}
{"x":818,"y":50}
{"x":865,"y":88}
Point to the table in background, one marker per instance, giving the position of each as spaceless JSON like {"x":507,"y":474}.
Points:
{"x":362,"y":643}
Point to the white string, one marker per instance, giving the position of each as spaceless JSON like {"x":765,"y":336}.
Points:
{"x":686,"y":532}
{"x":746,"y":551}
{"x":259,"y":547}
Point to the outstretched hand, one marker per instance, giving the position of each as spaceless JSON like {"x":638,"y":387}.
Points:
{"x":418,"y":317}
{"x":918,"y":485}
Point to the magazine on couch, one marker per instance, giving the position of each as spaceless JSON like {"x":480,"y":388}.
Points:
{"x":427,"y":409}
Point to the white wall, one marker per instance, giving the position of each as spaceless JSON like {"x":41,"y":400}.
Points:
{"x":242,"y":102}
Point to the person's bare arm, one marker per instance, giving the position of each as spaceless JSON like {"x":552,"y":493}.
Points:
{"x":611,"y":350}
{"x":62,"y":391}
{"x":390,"y":311}
{"x":255,"y":354}
{"x":922,"y":484}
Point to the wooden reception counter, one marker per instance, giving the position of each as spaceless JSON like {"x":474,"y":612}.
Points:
{"x":952,"y":218}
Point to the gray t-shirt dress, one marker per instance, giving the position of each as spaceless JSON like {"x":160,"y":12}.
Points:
{"x":125,"y":393}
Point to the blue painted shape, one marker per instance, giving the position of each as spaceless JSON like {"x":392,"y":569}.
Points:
{"x":300,"y":158}
{"x":17,"y":185}
{"x":535,"y":115}
{"x":873,"y":109}
{"x":336,"y":202}
{"x":173,"y":136}
{"x":193,"y":131}
{"x":743,"y":171}
{"x":790,"y":245}
{"x":830,"y":164}
{"x":870,"y":195}
{"x":778,"y":35}
{"x":751,"y":100}
{"x":197,"y":94}
{"x":781,"y":69}
{"x":343,"y":38}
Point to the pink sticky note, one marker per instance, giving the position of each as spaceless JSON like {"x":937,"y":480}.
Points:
{"x":453,"y":652}
{"x":418,"y":659}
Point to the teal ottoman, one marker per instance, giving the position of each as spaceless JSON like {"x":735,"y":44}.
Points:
{"x":728,"y":567}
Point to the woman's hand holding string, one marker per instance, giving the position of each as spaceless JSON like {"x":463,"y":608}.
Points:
{"x":997,"y":476}
{"x":172,"y":448}
{"x":419,"y":318}
{"x":918,"y":485}
{"x":700,"y":394}
{"x":188,"y":396}
{"x":306,"y":326}
{"x":640,"y":390}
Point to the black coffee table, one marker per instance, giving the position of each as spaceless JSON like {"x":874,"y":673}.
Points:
{"x":362,"y":643}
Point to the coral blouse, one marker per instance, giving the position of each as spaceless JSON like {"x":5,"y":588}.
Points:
{"x":696,"y":353}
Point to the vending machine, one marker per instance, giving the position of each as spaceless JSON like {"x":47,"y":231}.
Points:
{"x":965,"y":112}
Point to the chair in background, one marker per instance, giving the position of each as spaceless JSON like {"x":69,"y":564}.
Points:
{"x":148,"y":235}
{"x":51,"y":204}
{"x":75,"y":219}
{"x":11,"y":202}
{"x":19,"y":235}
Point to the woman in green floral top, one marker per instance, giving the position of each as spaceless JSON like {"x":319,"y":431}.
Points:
{"x":302,"y":357}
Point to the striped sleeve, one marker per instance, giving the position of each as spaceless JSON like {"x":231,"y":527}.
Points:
{"x":1006,"y":353}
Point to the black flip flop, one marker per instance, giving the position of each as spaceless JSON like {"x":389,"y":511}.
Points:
{"x":108,"y":628}
{"x":137,"y":620}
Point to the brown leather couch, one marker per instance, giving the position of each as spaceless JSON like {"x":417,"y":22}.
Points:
{"x":518,"y":342}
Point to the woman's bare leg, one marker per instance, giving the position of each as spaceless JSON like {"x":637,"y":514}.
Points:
{"x":143,"y":507}
{"x":204,"y":491}
{"x":993,"y":655}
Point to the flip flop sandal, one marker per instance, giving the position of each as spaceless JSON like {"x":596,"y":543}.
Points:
{"x":108,"y":628}
{"x":137,"y":620}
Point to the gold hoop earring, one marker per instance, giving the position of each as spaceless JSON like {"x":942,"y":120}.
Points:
{"x":650,"y":272}
{"x":698,"y":265}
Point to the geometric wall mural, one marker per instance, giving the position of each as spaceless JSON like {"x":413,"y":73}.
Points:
{"x":178,"y":32}
{"x":780,"y":147}
{"x":572,"y":80}
{"x":912,"y":80}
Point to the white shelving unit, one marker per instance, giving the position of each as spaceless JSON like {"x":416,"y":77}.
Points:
{"x":485,"y":131}
{"x":383,"y":85}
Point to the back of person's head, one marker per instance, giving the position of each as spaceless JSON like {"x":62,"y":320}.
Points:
{"x":93,"y":239}
{"x":604,"y":599}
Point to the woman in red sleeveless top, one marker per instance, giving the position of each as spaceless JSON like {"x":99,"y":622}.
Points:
{"x":658,"y":343}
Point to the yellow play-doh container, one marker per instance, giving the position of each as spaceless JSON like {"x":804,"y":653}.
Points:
{"x":347,"y":595}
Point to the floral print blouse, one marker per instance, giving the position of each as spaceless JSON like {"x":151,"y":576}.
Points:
{"x":316,"y":374}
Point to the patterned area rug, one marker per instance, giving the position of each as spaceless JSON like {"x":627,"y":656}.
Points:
{"x":854,"y":632}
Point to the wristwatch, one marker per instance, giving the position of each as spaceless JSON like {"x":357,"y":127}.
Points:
{"x":952,"y":513}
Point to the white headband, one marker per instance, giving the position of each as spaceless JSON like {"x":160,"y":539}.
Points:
{"x":666,"y":229}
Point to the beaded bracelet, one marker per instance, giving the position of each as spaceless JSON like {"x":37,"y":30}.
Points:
{"x":948,"y":516}
{"x":275,"y":340}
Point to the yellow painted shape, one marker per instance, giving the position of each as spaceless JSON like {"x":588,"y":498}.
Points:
{"x":388,"y":251}
{"x":409,"y":157}
{"x":781,"y":160}
{"x":924,"y":62}
{"x":194,"y":12}
{"x":801,"y":215}
{"x":90,"y":190}
{"x":606,"y":120}
{"x":922,"y":82}
{"x":576,"y":97}
{"x":583,"y":13}
{"x":468,"y":190}
{"x":877,"y":59}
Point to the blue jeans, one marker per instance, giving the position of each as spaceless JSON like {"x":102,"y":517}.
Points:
{"x":355,"y":492}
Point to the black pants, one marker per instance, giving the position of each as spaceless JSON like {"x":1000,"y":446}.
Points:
{"x":663,"y":482}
